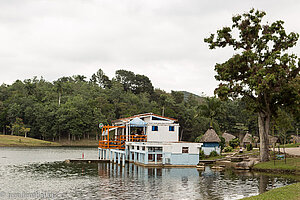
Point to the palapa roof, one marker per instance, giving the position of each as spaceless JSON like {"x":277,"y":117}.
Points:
{"x":210,"y":136}
{"x":228,"y":137}
{"x":295,"y":138}
{"x":247,"y":138}
{"x":256,"y":139}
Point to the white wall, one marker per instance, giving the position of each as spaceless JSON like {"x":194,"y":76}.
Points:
{"x":163,"y":134}
{"x":207,"y":150}
{"x":177,"y":147}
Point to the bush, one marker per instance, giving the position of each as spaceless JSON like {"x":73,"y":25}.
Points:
{"x":213,"y":154}
{"x":201,"y":154}
{"x":234,"y":142}
{"x":249,"y":147}
{"x":228,"y":149}
{"x":222,"y":143}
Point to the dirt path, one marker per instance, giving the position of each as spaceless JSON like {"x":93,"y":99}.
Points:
{"x":292,"y":151}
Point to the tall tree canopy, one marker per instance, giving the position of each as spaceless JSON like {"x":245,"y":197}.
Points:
{"x":262,"y":71}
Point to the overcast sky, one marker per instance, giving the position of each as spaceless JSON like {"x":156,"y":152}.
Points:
{"x":162,"y":39}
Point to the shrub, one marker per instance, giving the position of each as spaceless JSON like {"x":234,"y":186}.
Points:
{"x":222,"y":143}
{"x":249,"y":147}
{"x":228,"y":149}
{"x":201,"y":154}
{"x":213,"y":154}
{"x":234,"y":142}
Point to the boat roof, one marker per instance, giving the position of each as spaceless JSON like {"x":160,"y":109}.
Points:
{"x":126,"y":119}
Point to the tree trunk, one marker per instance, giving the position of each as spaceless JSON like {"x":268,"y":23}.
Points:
{"x":69,"y":136}
{"x":263,"y":125}
{"x":181,"y":134}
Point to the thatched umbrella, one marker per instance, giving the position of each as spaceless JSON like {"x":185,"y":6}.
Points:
{"x":247,"y":139}
{"x":295,"y":139}
{"x":210,"y":136}
{"x":228,"y":137}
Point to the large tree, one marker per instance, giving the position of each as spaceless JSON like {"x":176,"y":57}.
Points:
{"x":261,"y":71}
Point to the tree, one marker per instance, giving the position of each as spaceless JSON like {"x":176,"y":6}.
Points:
{"x":101,"y":79}
{"x":19,"y":128}
{"x":211,"y":108}
{"x":262,"y":72}
{"x":126,"y":78}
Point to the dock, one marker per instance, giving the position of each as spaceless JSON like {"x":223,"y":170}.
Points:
{"x":207,"y":161}
{"x":86,"y":161}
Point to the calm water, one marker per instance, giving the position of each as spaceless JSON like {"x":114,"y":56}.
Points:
{"x":39,"y":173}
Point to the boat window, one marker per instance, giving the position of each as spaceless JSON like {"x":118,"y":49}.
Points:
{"x":154,"y":128}
{"x":185,"y":149}
{"x":171,"y":128}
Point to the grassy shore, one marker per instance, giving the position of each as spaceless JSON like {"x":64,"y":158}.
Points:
{"x":18,"y":141}
{"x":290,"y":145}
{"x":290,"y":192}
{"x":291,"y":165}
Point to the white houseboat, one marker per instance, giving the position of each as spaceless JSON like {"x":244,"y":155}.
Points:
{"x":147,"y":139}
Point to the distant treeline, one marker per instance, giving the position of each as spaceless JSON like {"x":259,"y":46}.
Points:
{"x":72,"y":107}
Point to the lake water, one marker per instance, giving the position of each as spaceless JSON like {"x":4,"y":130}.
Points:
{"x":40,"y":173}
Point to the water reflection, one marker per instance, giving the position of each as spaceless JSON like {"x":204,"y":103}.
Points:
{"x":36,"y":170}
{"x":189,"y":183}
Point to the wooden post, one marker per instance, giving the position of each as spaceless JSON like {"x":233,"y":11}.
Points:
{"x":108,"y":137}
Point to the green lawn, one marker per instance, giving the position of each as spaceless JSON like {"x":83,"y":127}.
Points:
{"x":12,"y":140}
{"x":290,"y":192}
{"x":291,"y":164}
{"x":289,"y":145}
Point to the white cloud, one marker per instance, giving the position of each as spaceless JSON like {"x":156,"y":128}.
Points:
{"x":160,"y":39}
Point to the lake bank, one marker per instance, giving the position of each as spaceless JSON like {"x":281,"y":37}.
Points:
{"x":292,"y":165}
{"x":291,"y":192}
{"x":18,"y":141}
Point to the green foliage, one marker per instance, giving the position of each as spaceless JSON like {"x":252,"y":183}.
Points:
{"x":201,"y":155}
{"x":234,"y":143}
{"x":261,"y":71}
{"x":228,"y":149}
{"x":222,"y":143}
{"x":249,"y":147}
{"x":198,"y":139}
{"x":72,"y":108}
{"x":213,"y":154}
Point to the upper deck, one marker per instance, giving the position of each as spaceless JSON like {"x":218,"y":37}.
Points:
{"x":139,"y":128}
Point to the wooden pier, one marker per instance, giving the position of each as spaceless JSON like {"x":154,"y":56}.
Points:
{"x":86,"y":161}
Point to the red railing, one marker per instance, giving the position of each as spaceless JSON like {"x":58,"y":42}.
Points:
{"x":119,"y":141}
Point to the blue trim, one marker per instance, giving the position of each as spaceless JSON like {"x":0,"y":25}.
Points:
{"x":154,"y":128}
{"x":210,"y":144}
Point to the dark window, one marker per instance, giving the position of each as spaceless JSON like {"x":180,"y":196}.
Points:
{"x":150,"y":157}
{"x":143,"y":148}
{"x":159,"y":157}
{"x":185,"y":150}
{"x":137,"y":148}
{"x":154,"y":128}
{"x":156,"y":149}
{"x":171,"y":128}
